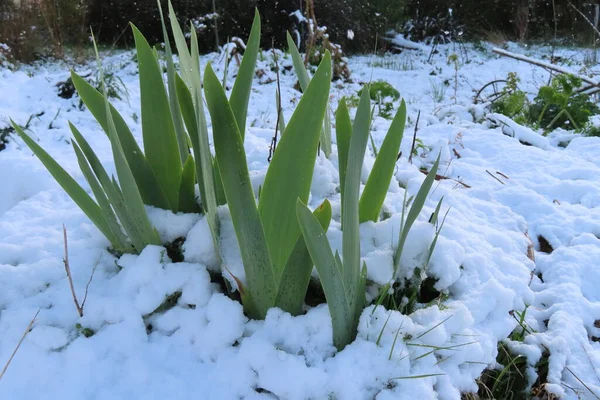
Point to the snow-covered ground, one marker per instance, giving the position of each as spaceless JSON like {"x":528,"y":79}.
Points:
{"x":205,"y":348}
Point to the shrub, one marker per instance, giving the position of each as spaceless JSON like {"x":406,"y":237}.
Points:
{"x":591,"y":130}
{"x":275,"y":260}
{"x":5,"y":56}
{"x":383,"y":94}
{"x":31,"y":27}
{"x":322,"y":44}
{"x":65,"y":23}
{"x":559,"y":106}
{"x":381,"y":90}
{"x":556,"y":106}
{"x":512,"y":101}
{"x":114,"y":85}
{"x":18,"y":31}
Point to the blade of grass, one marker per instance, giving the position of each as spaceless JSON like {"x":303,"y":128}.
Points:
{"x":330,"y":275}
{"x":117,"y":238}
{"x":295,"y":277}
{"x":301,"y":72}
{"x":112,"y":191}
{"x":415,"y":210}
{"x":373,"y":196}
{"x":187,"y":194}
{"x":304,"y":80}
{"x":433,"y":327}
{"x":188,"y":111}
{"x":160,"y":140}
{"x":144,"y":175}
{"x":240,"y":94}
{"x":343,"y":132}
{"x":435,"y":238}
{"x":191,"y":74}
{"x":132,"y":198}
{"x":418,"y":376}
{"x":350,"y":202}
{"x":181,"y":136}
{"x":383,"y":329}
{"x":62,"y":177}
{"x":394,"y":344}
{"x":231,"y":158}
{"x":290,"y":172}
{"x":203,"y":155}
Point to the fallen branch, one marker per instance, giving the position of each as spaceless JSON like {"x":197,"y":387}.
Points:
{"x":589,"y":90}
{"x":399,"y":41}
{"x":545,"y":65}
{"x":522,"y":133}
{"x":19,"y":344}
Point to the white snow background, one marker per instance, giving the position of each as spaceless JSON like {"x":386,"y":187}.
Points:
{"x":205,"y":348}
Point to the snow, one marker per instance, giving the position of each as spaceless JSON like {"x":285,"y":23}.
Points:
{"x":519,"y":132}
{"x":400,"y":41}
{"x":204,"y":346}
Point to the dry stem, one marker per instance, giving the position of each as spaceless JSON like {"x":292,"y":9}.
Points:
{"x":19,"y":344}
{"x":68,"y":270}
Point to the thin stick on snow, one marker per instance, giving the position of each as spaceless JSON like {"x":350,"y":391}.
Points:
{"x":492,"y":175}
{"x":19,"y":344}
{"x":412,"y":147}
{"x":582,"y":382}
{"x":502,"y":175}
{"x":545,"y":65}
{"x":68,"y":270}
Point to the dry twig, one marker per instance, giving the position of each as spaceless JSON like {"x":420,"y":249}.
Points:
{"x":412,"y":148}
{"x":68,"y":270}
{"x":273,"y":145}
{"x":492,"y":175}
{"x":442,"y":177}
{"x":502,"y":175}
{"x":19,"y":344}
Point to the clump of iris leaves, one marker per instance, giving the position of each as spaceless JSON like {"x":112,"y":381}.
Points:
{"x":280,"y":238}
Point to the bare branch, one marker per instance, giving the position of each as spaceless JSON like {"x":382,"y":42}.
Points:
{"x":273,"y":145}
{"x":585,"y":18}
{"x":545,"y":65}
{"x":69,"y":277}
{"x":412,"y":148}
{"x":87,"y":286}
